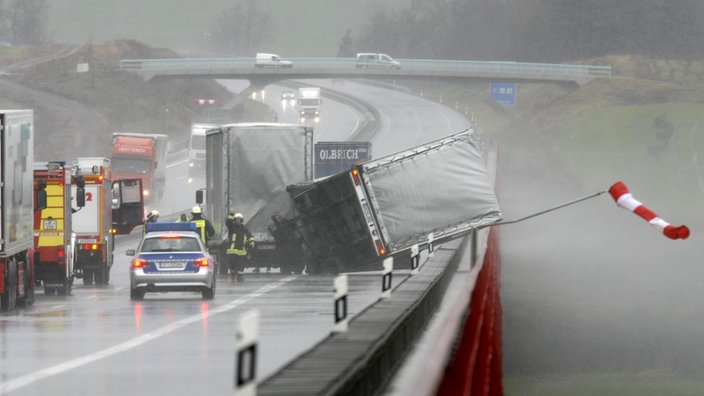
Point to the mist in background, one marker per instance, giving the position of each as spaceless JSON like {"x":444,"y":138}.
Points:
{"x":595,"y":300}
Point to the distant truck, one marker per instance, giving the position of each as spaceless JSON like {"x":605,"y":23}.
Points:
{"x":16,"y":208}
{"x":309,"y":101}
{"x":249,"y":166}
{"x":353,"y":220}
{"x":109,"y":208}
{"x":143,"y":156}
{"x":263,"y":60}
{"x":53,"y":230}
{"x":196,"y":151}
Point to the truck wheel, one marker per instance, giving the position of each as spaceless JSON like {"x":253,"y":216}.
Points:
{"x":9,"y":297}
{"x":49,"y":291}
{"x":100,"y":276}
{"x":29,"y":295}
{"x":285,"y":269}
{"x":136,"y":294}
{"x":65,"y":289}
{"x":298,"y":268}
{"x":87,"y":276}
{"x":29,"y":288}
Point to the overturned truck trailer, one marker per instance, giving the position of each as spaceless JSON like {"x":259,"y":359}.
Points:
{"x":353,"y":220}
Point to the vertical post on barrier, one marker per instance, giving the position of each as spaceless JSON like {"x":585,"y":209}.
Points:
{"x":386,"y":277}
{"x":415,"y":259}
{"x":431,"y":246}
{"x":475,"y":254}
{"x":247,"y":338}
{"x":340,"y":304}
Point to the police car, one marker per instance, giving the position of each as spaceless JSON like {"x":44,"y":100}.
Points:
{"x":171,"y":257}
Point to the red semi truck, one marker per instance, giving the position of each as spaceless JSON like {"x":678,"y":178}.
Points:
{"x":143,"y":156}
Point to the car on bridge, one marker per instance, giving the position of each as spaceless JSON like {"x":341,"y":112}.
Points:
{"x":271,"y":60}
{"x":368,"y":60}
{"x":171,"y":257}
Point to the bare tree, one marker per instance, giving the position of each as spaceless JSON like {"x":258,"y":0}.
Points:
{"x":240,"y":30}
{"x":346,"y":49}
{"x":27,"y":20}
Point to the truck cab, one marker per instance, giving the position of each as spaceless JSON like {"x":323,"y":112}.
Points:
{"x":143,"y":156}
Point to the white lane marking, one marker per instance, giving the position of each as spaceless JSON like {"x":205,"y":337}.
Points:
{"x":176,"y":163}
{"x":28,"y":379}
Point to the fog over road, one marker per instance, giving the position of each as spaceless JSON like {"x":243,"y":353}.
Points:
{"x":591,"y":293}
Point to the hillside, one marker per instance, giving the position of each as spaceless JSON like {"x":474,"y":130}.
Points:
{"x":76,"y":113}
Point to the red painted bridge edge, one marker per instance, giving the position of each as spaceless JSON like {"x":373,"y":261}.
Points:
{"x":475,"y":368}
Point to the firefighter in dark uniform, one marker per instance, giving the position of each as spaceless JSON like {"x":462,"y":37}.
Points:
{"x":203,"y":226}
{"x":241,"y":241}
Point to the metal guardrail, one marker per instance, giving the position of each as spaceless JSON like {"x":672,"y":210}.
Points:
{"x":337,"y":66}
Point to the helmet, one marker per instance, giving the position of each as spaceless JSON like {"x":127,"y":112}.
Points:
{"x":153,"y":213}
{"x":239,"y":216}
{"x":196,"y":209}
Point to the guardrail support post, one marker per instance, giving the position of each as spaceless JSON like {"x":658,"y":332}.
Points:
{"x":341,"y":320}
{"x":415,"y":259}
{"x":431,"y":247}
{"x":386,"y":277}
{"x":474,"y":248}
{"x":247,"y":338}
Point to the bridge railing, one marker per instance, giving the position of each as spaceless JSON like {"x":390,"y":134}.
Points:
{"x":334,"y":64}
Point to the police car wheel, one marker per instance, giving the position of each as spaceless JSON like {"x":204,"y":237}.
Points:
{"x":136,"y":294}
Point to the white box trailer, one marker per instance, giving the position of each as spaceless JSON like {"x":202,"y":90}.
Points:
{"x":17,"y":208}
{"x":248,"y":167}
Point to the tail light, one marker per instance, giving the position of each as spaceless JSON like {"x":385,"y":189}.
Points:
{"x":140,"y":264}
{"x":61,"y":256}
{"x":355,"y":176}
{"x":202,"y":262}
{"x":380,"y":248}
{"x":89,"y":246}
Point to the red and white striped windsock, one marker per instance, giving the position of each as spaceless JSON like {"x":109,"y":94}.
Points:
{"x":624,"y":199}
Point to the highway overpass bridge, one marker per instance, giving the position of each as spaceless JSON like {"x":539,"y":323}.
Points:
{"x":303,"y":68}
